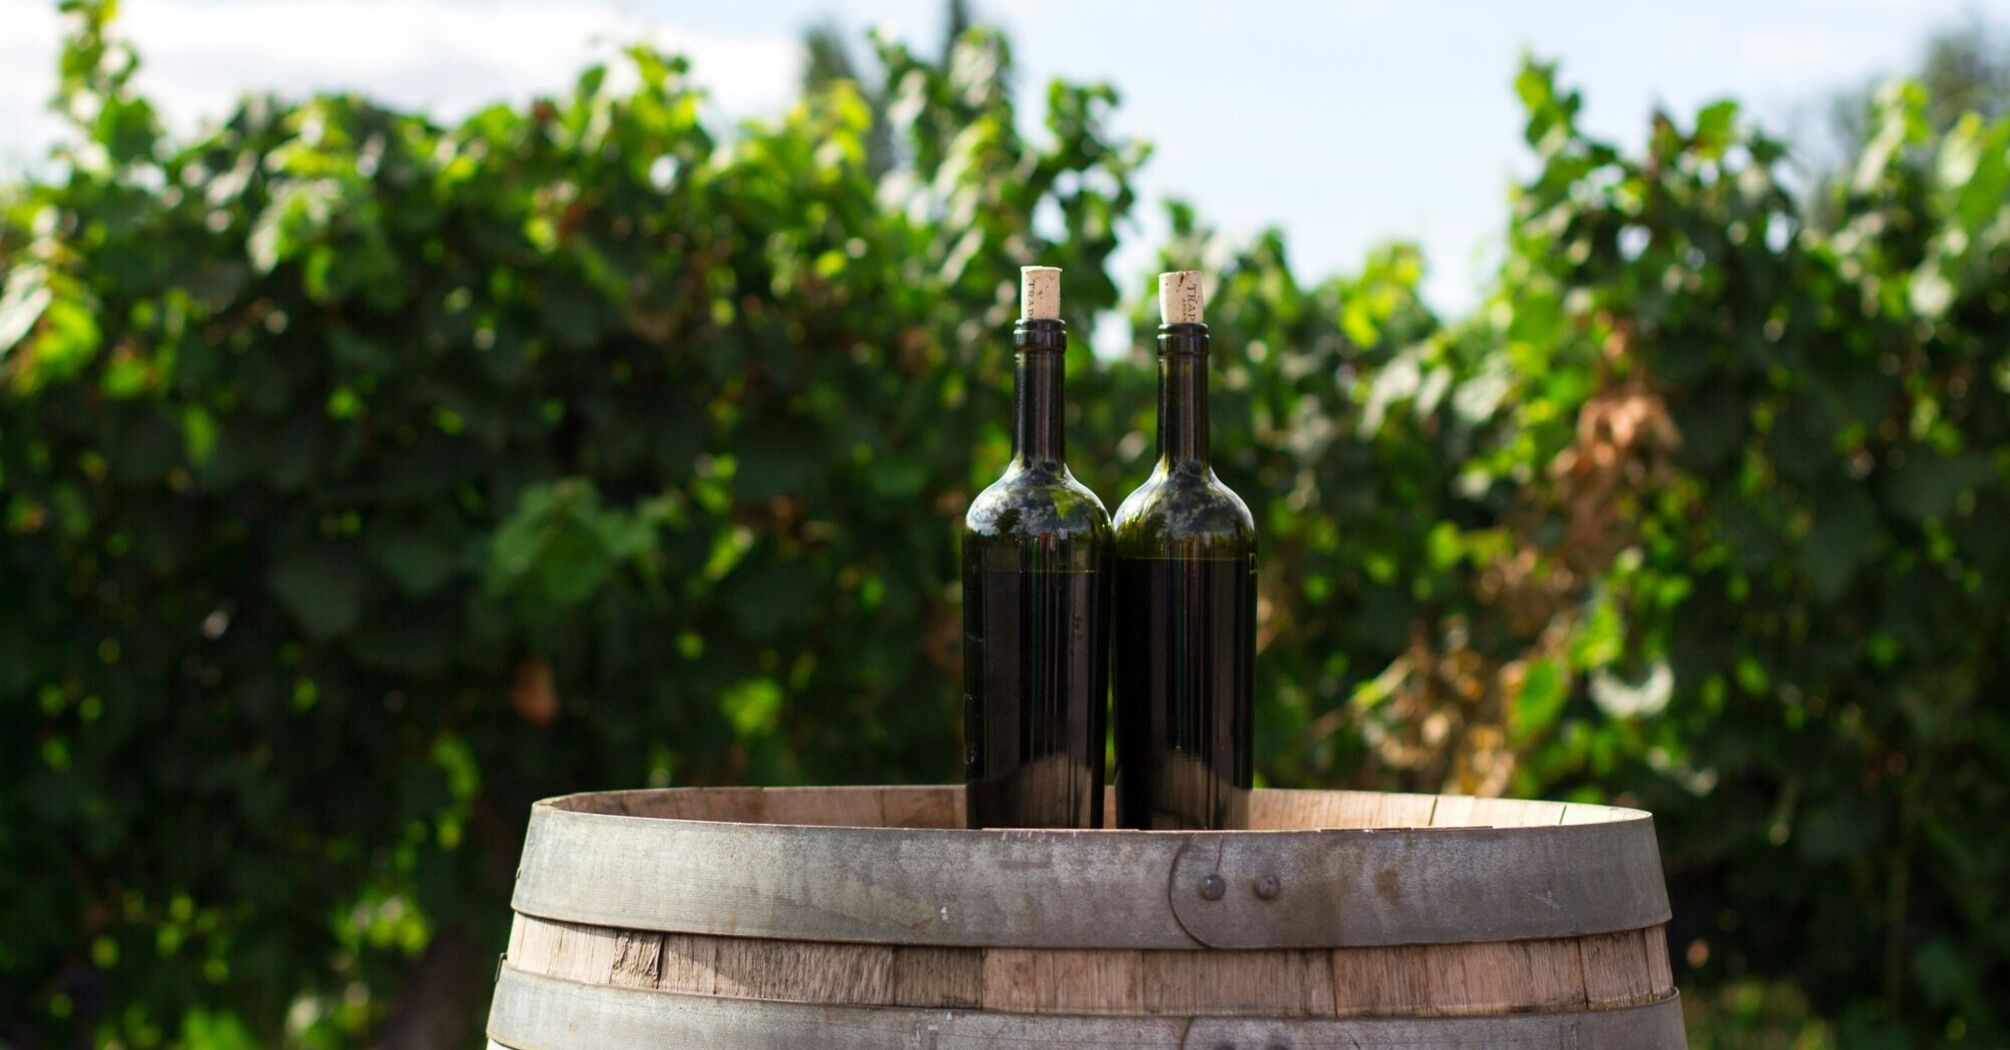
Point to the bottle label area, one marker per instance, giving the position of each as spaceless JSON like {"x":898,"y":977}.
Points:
{"x":1184,"y":661}
{"x":1034,"y":693}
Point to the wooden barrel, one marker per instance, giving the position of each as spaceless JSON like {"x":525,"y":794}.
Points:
{"x":843,"y":918}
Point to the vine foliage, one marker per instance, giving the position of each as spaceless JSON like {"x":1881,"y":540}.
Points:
{"x":364,"y":478}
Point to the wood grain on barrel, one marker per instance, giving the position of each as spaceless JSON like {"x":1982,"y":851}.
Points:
{"x":545,"y":1013}
{"x":1597,"y":972}
{"x":875,"y":807}
{"x":946,"y":977}
{"x":941,"y":806}
{"x":1286,"y":983}
{"x":1036,"y":981}
{"x":1305,"y":810}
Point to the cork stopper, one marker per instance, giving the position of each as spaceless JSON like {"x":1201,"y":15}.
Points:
{"x":1179,"y":297}
{"x":1039,"y":292}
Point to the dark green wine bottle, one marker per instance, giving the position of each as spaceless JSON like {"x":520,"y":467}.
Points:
{"x":1035,"y":608}
{"x":1184,"y":608}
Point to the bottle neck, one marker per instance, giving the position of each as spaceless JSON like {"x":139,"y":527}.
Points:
{"x":1038,"y":434}
{"x":1183,"y":396}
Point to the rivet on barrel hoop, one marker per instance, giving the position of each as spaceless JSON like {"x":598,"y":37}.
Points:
{"x":1268,"y":887}
{"x":1211,"y":889}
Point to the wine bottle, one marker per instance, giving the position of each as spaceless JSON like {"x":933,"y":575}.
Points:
{"x":1184,"y":607}
{"x":1035,"y":607}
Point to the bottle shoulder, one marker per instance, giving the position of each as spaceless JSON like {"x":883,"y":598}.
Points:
{"x":1184,"y":509}
{"x":1036,"y":501}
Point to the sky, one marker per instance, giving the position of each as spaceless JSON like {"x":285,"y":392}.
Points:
{"x":1344,"y":123}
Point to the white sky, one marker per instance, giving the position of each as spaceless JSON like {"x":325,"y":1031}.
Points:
{"x":1344,"y":123}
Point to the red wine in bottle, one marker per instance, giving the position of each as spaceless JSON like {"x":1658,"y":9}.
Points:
{"x":1035,"y":607}
{"x":1185,"y":608}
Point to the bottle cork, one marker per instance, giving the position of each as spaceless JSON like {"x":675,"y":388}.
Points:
{"x":1179,"y":297}
{"x":1039,"y":292}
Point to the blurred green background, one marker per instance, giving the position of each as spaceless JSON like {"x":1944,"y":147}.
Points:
{"x":364,"y":479}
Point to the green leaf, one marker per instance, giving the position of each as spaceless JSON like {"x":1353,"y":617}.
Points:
{"x":752,"y":706}
{"x":1602,"y":637}
{"x":1944,"y":973}
{"x":561,"y":546}
{"x":423,"y":646}
{"x":1840,"y":831}
{"x":1544,"y":689}
{"x":298,"y":215}
{"x":418,"y":559}
{"x":898,"y":478}
{"x":1716,"y":126}
{"x":322,"y":587}
{"x":1927,"y":486}
{"x":1845,"y":537}
{"x":776,"y":462}
{"x":26,"y":296}
{"x":769,"y":597}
